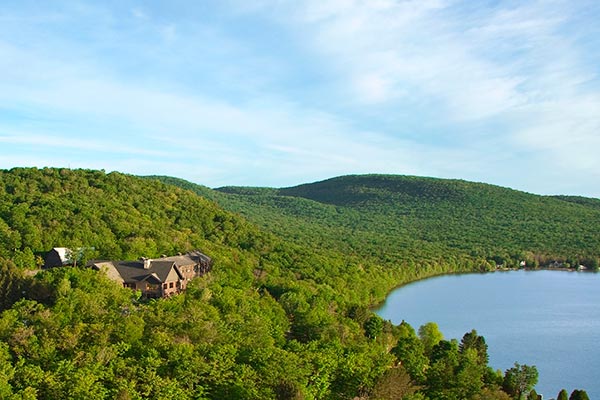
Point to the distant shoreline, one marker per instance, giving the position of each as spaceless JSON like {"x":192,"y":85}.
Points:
{"x":380,"y":304}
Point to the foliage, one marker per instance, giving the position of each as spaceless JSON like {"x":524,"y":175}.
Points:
{"x":285,"y":313}
{"x":410,"y":351}
{"x":415,"y":222}
{"x":491,"y":394}
{"x":519,"y":379}
{"x":471,"y":340}
{"x":396,"y":383}
{"x":578,"y":394}
{"x":373,"y":327}
{"x":430,"y":336}
{"x":12,"y":284}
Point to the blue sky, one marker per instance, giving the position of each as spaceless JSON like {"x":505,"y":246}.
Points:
{"x":277,"y":93}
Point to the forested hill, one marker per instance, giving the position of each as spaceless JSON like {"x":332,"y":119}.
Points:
{"x":113,"y":216}
{"x":586,"y":201}
{"x":425,"y":219}
{"x":285,"y":312}
{"x":273,"y":320}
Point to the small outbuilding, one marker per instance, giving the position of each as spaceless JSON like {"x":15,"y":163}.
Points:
{"x":58,"y":257}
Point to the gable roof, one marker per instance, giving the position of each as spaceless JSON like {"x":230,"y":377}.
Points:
{"x":162,"y":269}
{"x":179,"y":260}
{"x":189,"y":258}
{"x":199,"y":257}
{"x":134,"y":271}
{"x":65,"y":254}
{"x":157,"y":270}
{"x":109,"y":269}
{"x":152,"y":278}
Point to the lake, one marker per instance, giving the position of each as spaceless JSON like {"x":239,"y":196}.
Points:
{"x":550,"y":319}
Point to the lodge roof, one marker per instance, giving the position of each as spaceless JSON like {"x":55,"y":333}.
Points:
{"x":131,"y":271}
{"x":164,"y":271}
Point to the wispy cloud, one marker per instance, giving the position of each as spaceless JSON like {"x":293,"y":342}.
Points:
{"x":58,"y":143}
{"x":290,"y":91}
{"x":399,"y":51}
{"x":524,"y":64}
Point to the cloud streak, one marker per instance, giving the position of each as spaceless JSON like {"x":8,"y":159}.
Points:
{"x":288,"y":92}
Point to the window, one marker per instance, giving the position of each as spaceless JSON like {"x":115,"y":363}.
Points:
{"x":170,"y":285}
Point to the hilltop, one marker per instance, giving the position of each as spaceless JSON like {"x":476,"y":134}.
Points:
{"x":408,"y":219}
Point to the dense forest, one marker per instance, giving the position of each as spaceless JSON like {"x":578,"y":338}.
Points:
{"x":424,"y":222}
{"x":285,"y":312}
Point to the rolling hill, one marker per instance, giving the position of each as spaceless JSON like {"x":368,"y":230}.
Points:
{"x":285,"y":312}
{"x":414,"y":220}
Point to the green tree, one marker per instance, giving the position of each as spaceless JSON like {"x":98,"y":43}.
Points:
{"x":491,"y":394}
{"x":373,"y":326}
{"x":533,"y":395}
{"x":470,"y":373}
{"x":359,"y":313}
{"x":442,"y":379}
{"x":396,"y":383}
{"x":24,"y":259}
{"x":410,"y":352}
{"x":594,"y":264}
{"x":12,"y":284}
{"x":579,"y":395}
{"x":519,"y":379}
{"x":563,"y":395}
{"x":471,"y":340}
{"x":430,"y":335}
{"x":6,"y":372}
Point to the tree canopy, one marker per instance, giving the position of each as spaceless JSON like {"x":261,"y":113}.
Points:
{"x":285,"y":312}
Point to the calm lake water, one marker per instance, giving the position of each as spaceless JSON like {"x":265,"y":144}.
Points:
{"x":550,"y":319}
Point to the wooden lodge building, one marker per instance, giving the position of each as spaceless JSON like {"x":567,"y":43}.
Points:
{"x":159,"y":277}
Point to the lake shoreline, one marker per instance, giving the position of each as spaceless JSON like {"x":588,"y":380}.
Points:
{"x":520,"y":317}
{"x":380,"y":304}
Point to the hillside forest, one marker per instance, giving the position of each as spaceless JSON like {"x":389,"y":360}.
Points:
{"x":286,"y":311}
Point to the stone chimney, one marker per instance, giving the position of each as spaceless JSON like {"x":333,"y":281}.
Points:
{"x":147,"y":262}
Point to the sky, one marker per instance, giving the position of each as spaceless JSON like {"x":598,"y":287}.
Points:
{"x":282,"y":92}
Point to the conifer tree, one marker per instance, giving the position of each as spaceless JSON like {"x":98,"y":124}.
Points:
{"x":579,"y":395}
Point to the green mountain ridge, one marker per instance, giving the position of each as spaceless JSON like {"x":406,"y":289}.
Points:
{"x":407,"y":214}
{"x":585,"y":201}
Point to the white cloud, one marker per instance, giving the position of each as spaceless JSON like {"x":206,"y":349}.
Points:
{"x":489,"y":82}
{"x":567,"y":131}
{"x":139,"y":13}
{"x":409,"y":47}
{"x":521,"y":65}
{"x":58,"y":143}
{"x":210,"y":131}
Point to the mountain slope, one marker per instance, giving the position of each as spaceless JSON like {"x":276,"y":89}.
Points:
{"x":272,"y":320}
{"x":114,"y":215}
{"x":283,"y":314}
{"x":427,"y":218}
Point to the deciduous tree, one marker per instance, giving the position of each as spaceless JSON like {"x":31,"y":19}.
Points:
{"x":373,"y":326}
{"x":430,"y":335}
{"x":520,"y":379}
{"x":396,"y":383}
